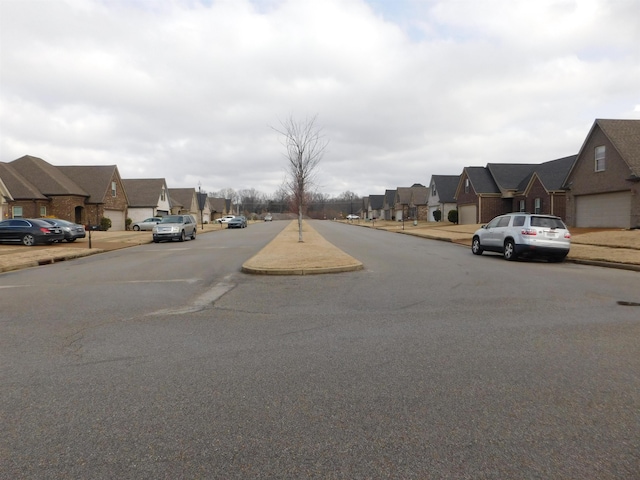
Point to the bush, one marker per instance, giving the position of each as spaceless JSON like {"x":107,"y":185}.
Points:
{"x":452,"y":216}
{"x":127,"y":224}
{"x":437,"y":215}
{"x":105,"y":224}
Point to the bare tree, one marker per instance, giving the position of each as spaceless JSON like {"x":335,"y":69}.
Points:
{"x":305,"y":145}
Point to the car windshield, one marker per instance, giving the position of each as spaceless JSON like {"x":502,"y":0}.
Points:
{"x":546,"y":222}
{"x":171,"y":219}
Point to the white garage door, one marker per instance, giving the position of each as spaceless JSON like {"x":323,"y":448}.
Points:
{"x":467,"y":215}
{"x":605,"y":210}
{"x":117,"y":219}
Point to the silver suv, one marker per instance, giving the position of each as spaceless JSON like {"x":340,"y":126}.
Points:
{"x":176,"y":227}
{"x":524,"y":234}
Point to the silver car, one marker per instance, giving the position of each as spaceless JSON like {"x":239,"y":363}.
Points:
{"x":146,"y":224}
{"x":175,"y":227}
{"x":524,"y":235}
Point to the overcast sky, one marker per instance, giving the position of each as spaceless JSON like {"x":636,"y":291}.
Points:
{"x":190,"y":90}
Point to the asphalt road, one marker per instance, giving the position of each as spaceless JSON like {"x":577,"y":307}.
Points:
{"x":164,"y":362}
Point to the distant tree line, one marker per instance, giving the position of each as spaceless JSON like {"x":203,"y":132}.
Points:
{"x":318,"y":205}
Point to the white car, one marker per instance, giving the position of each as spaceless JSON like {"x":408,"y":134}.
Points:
{"x":353,"y":216}
{"x":226,"y":218}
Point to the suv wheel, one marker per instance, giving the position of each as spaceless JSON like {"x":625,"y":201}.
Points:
{"x":476,"y":248}
{"x":182,"y":236}
{"x":193,"y":235}
{"x":509,"y":250}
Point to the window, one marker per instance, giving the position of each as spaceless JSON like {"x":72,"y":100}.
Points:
{"x":433,"y":190}
{"x":113,"y":189}
{"x":522,"y":206}
{"x":16,"y":212}
{"x":162,"y":195}
{"x":466,"y":185}
{"x":537,"y":205}
{"x":518,"y":221}
{"x":599,"y":155}
{"x":43,"y":211}
{"x":494,"y":223}
{"x":504,"y":221}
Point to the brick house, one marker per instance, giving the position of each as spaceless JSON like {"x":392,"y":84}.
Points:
{"x":411,"y":202}
{"x":603,"y":186}
{"x":148,"y":197}
{"x":485,"y":192}
{"x":81,"y":194}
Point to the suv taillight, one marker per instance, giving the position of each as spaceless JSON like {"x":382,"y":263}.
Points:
{"x":529,"y":231}
{"x":567,"y":235}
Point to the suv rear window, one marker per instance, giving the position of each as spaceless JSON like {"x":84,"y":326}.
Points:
{"x":518,"y":221}
{"x":547,"y":222}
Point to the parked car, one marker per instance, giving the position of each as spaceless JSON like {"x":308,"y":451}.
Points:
{"x":225,"y":219}
{"x":524,"y":234}
{"x":29,"y":231}
{"x":268,"y":217}
{"x":175,"y":227}
{"x":146,"y":224}
{"x":72,"y":231}
{"x":237,"y":222}
{"x":352,"y":216}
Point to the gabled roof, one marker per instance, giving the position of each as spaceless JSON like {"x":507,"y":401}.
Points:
{"x":48,"y":179}
{"x":182,"y":197}
{"x":389,"y":198}
{"x":552,"y":174}
{"x":507,"y":176}
{"x":417,"y":194}
{"x":94,"y":179}
{"x":18,"y":186}
{"x":446,"y":186}
{"x":481,"y":180}
{"x":625,"y":136}
{"x":376,"y":202}
{"x":217,"y":204}
{"x":144,"y":192}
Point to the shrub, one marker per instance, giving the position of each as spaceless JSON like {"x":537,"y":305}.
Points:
{"x":105,"y":224}
{"x":127,"y":224}
{"x":452,"y":216}
{"x":437,"y":215}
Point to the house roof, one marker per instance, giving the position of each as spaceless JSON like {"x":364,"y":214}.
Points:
{"x":217,"y":205}
{"x":182,"y":197}
{"x":481,"y":180}
{"x":144,"y":192}
{"x":417,"y":194}
{"x":94,"y":179}
{"x":376,"y":202}
{"x":625,"y":136}
{"x":17,"y":185}
{"x":389,"y":198}
{"x":552,"y":174}
{"x":508,"y":176}
{"x":48,"y":179}
{"x":446,"y":186}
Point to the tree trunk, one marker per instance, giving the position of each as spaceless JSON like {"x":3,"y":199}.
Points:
{"x":299,"y":223}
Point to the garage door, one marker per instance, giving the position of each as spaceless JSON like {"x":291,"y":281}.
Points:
{"x":467,"y":215}
{"x":605,"y":210}
{"x":117,"y":219}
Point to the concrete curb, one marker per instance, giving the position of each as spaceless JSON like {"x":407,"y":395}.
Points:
{"x":301,"y":271}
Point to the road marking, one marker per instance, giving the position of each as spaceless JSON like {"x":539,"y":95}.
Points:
{"x":201,"y":302}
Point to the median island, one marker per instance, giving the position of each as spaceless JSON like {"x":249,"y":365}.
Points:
{"x":285,"y":255}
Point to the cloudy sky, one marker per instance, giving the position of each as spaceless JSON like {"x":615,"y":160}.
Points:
{"x":191,"y":90}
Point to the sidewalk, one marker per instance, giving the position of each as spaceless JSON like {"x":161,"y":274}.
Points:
{"x":284,"y":255}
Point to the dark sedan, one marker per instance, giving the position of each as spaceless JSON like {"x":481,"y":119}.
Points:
{"x":29,"y":231}
{"x":72,"y":231}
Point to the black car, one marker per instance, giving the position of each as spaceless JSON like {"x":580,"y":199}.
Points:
{"x":29,"y":231}
{"x":237,"y":222}
{"x":72,"y":231}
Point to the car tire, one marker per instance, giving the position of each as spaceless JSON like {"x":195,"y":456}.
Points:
{"x":476,"y":247}
{"x":509,"y":250}
{"x":557,"y":258}
{"x":28,"y":240}
{"x":156,"y":240}
{"x":71,"y":240}
{"x":182,"y":236}
{"x":193,"y":235}
{"x":136,"y":228}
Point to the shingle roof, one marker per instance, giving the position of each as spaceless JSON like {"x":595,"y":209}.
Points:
{"x":182,"y":196}
{"x":144,"y":192}
{"x":508,"y":176}
{"x":625,"y":136}
{"x":217,"y":204}
{"x":18,"y":186}
{"x":48,"y":179}
{"x":94,"y":179}
{"x":389,"y":197}
{"x":552,"y":174}
{"x":446,"y":186}
{"x":481,"y":180}
{"x":376,"y":201}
